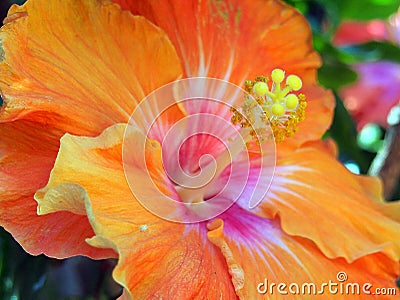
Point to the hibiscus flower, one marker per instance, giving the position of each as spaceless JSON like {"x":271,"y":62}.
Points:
{"x":73,"y":72}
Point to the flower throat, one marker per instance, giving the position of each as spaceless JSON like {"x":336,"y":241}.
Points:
{"x":275,"y":107}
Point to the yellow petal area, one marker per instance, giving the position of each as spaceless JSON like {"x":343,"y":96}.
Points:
{"x":157,"y":258}
{"x":80,"y":66}
{"x":27,"y":154}
{"x":318,"y":198}
{"x":64,"y":192}
{"x":260,"y":256}
{"x":237,"y":40}
{"x":66,"y":196}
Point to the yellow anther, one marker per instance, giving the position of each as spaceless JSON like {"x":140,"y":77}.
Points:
{"x":271,"y":104}
{"x":277,"y":109}
{"x":291,"y":101}
{"x":260,"y":88}
{"x":277,"y":75}
{"x":294,"y":82}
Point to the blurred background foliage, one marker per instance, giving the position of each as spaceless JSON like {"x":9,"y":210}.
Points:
{"x":353,"y":37}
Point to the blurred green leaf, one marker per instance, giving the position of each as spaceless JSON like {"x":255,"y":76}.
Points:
{"x":324,"y":16}
{"x":365,"y":10}
{"x":373,"y":51}
{"x":332,"y":54}
{"x":334,"y":76}
{"x":300,"y":5}
{"x":335,"y":71}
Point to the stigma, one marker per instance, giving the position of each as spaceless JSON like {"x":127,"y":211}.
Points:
{"x":271,"y":102}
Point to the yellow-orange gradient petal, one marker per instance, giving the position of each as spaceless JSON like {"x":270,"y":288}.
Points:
{"x":261,"y":256}
{"x":343,"y":213}
{"x":156,"y":257}
{"x":240,"y":39}
{"x":27,"y":154}
{"x":84,"y":64}
{"x":66,"y":191}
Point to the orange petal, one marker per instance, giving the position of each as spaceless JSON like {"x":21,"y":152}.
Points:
{"x":165,"y":260}
{"x":327,"y":145}
{"x":318,"y":198}
{"x":157,"y":257}
{"x":27,"y":153}
{"x":82,"y":65}
{"x":240,"y":39}
{"x":259,"y":253}
{"x":234,"y":40}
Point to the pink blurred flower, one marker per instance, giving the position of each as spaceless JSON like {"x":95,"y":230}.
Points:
{"x":355,"y":32}
{"x":377,"y":89}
